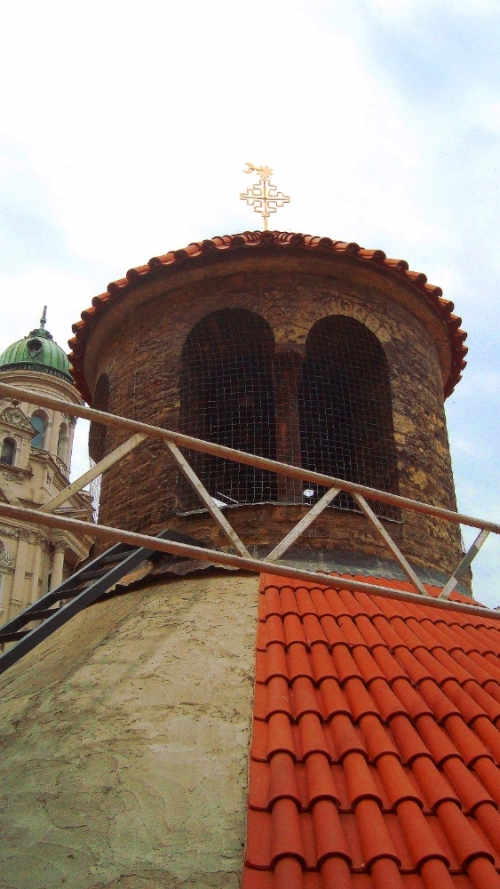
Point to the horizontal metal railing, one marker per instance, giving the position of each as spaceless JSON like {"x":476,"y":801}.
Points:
{"x":139,"y":429}
{"x":258,"y":566}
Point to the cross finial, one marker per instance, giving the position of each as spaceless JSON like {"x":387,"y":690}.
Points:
{"x":263,"y":196}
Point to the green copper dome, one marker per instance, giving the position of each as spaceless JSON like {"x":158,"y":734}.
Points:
{"x":37,"y":352}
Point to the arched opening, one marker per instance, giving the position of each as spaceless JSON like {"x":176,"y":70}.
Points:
{"x":227,"y":396}
{"x":345,"y":409}
{"x":62,"y":443}
{"x":8,"y":452}
{"x":39,"y":421}
{"x":97,"y":434}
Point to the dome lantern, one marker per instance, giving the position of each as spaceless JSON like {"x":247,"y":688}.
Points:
{"x":38,"y":352}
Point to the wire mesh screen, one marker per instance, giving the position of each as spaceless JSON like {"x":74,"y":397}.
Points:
{"x":345,"y":409}
{"x":97,"y":434}
{"x":227,"y":396}
{"x":328,"y":409}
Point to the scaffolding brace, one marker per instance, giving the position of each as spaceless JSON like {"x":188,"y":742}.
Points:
{"x":243,"y":560}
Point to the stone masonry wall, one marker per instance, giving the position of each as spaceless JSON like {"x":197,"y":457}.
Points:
{"x":138,"y":343}
{"x":124,"y":743}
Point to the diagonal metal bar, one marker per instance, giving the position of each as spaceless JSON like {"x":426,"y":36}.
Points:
{"x":99,"y":468}
{"x":301,"y":526}
{"x":464,"y":564}
{"x":216,"y":557}
{"x":61,"y":615}
{"x":394,"y":548}
{"x":205,"y":497}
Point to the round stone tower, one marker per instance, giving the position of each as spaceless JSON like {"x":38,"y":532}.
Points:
{"x":311,"y":351}
{"x":141,"y":740}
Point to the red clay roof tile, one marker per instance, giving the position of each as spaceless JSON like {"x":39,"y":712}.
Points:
{"x":377,"y":738}
{"x":470,"y":791}
{"x":333,"y":700}
{"x":482,"y":873}
{"x":299,"y":663}
{"x":320,"y":781}
{"x":347,"y":739}
{"x":322,"y":663}
{"x":313,"y":629}
{"x":305,"y":698}
{"x":353,"y":749}
{"x":280,"y":736}
{"x":361,"y":702}
{"x":196,"y":253}
{"x":277,"y":696}
{"x":294,"y":629}
{"x":283,"y":779}
{"x":313,"y":739}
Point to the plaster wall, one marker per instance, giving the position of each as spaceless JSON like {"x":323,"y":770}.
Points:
{"x":124,"y":743}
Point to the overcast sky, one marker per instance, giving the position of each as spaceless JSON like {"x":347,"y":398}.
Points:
{"x":125,"y":127}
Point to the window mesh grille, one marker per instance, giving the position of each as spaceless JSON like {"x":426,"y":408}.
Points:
{"x":227,"y":396}
{"x":345,"y":409}
{"x":328,"y":410}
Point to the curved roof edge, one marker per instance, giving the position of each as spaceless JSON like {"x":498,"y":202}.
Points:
{"x":279,"y":241}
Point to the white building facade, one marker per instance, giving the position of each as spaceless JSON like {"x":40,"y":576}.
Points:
{"x":35,"y":457}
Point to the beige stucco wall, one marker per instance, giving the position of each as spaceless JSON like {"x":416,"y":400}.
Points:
{"x":124,"y":743}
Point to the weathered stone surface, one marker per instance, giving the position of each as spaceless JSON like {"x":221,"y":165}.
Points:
{"x":124,"y":743}
{"x":139,"y":342}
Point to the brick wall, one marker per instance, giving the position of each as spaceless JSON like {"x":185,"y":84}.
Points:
{"x":138,"y":344}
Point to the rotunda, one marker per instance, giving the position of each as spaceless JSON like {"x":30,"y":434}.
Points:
{"x":199,"y":728}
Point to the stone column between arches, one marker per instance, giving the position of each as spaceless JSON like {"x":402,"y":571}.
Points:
{"x":289,"y":358}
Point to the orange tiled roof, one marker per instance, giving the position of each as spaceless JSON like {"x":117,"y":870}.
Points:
{"x":375,"y":753}
{"x":199,"y":250}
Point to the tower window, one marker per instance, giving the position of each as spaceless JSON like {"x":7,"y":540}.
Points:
{"x":227,"y":396}
{"x":8,"y":452}
{"x":97,"y":435}
{"x":345,"y":411}
{"x":39,"y":422}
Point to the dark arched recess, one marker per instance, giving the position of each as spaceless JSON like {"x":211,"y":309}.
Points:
{"x":345,"y":411}
{"x":227,"y":396}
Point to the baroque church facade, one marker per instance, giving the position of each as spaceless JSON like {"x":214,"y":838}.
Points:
{"x":35,"y":458}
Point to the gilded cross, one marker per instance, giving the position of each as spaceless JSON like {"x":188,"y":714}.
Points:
{"x":263,"y":196}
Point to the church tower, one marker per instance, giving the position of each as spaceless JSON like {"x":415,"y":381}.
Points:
{"x":35,"y":458}
{"x":206,"y":727}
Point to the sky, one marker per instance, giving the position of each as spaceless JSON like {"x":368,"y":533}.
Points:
{"x":125,"y":128}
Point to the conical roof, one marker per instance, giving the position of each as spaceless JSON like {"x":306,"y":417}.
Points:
{"x":37,"y":351}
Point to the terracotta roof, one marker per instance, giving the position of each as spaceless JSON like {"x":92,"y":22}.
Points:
{"x":199,"y":250}
{"x":375,"y":753}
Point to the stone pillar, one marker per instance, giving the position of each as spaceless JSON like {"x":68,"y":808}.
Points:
{"x":289,"y":358}
{"x":18,"y":583}
{"x":57,"y":564}
{"x":37,"y":564}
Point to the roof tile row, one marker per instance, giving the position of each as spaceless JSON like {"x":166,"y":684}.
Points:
{"x":257,"y":240}
{"x":374,"y":758}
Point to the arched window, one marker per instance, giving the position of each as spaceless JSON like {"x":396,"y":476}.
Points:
{"x":345,"y":410}
{"x":62,"y":443}
{"x":8,"y":453}
{"x":39,"y":421}
{"x":227,"y":396}
{"x":97,"y":435}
